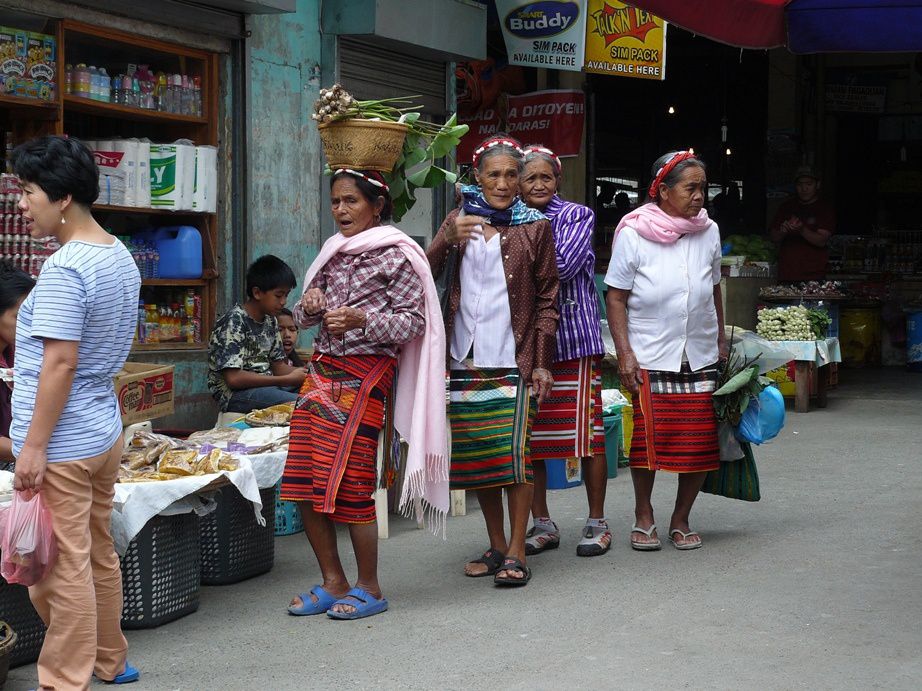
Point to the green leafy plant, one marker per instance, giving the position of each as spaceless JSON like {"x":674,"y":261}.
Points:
{"x":425,"y":143}
{"x":819,"y":321}
{"x":738,"y":383}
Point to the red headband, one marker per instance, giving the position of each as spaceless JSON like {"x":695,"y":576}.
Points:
{"x":534,"y":149}
{"x":490,"y":143}
{"x":666,"y":169}
{"x":378,"y":183}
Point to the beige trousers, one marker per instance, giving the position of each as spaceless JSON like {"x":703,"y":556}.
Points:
{"x":80,"y":601}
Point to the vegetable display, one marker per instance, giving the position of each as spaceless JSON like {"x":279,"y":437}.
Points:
{"x":795,"y":323}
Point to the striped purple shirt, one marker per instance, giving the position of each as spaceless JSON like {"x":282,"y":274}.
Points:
{"x":579,"y":330}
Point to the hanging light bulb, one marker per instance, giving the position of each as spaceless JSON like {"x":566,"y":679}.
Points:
{"x":671,"y":110}
{"x":728,"y":151}
{"x":691,"y":149}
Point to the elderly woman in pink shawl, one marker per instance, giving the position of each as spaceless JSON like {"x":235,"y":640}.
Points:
{"x":371,"y":293}
{"x":666,"y":317}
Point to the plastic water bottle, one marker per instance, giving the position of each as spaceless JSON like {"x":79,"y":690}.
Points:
{"x":105,"y":86}
{"x":155,"y":271}
{"x":197,"y":96}
{"x":82,"y":81}
{"x":176,"y":94}
{"x":93,"y":91}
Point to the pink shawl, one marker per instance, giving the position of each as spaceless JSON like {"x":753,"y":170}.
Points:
{"x":652,"y":223}
{"x":419,"y":406}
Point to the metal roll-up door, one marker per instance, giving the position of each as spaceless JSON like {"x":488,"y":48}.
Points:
{"x":369,"y":70}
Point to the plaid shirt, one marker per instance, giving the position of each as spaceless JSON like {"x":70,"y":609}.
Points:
{"x":383,"y":284}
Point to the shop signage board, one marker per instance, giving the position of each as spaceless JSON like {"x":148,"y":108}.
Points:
{"x":856,"y":98}
{"x":552,"y":118}
{"x":548,"y":34}
{"x":624,"y":41}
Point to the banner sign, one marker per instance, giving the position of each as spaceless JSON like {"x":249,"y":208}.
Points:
{"x":856,"y":98}
{"x":624,"y":41}
{"x":552,"y":118}
{"x":549,"y":34}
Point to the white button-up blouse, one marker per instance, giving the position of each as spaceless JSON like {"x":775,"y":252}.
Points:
{"x":671,"y":306}
{"x":484,"y":319}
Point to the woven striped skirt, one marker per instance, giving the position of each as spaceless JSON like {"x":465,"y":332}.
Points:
{"x":332,"y":450}
{"x":491,"y":413}
{"x":569,"y":422}
{"x":675,"y":427}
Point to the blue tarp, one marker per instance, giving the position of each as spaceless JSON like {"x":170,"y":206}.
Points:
{"x":823,"y":26}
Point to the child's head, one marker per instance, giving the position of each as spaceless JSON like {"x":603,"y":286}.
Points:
{"x":269,"y":280}
{"x":288,"y":330}
{"x":15,"y":285}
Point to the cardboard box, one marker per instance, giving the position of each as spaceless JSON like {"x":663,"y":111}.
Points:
{"x":144,"y":391}
{"x":13,"y":51}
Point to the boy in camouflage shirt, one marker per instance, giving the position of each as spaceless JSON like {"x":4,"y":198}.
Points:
{"x":247,"y":368}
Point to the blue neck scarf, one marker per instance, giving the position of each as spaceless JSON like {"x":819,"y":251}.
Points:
{"x":517,"y":214}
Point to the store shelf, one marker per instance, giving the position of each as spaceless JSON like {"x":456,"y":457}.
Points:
{"x":180,"y":282}
{"x":114,"y":110}
{"x":147,"y":211}
{"x":31,"y":107}
{"x":165,"y":347}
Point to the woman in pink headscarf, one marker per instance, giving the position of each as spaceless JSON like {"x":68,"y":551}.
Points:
{"x":666,"y":317}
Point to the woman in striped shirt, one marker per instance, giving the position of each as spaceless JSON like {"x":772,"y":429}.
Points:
{"x":569,"y":422}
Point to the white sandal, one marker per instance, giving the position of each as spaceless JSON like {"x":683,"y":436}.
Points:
{"x":685,"y":536}
{"x":645,"y":546}
{"x":539,"y":539}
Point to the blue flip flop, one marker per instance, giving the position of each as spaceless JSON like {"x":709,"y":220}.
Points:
{"x":129,"y":675}
{"x":309,"y":607}
{"x":366,"y":605}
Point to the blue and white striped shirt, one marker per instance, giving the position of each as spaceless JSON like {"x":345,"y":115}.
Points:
{"x":86,"y":292}
{"x":579,"y":331}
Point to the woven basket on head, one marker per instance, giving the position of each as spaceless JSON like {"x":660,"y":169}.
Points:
{"x":362,"y":144}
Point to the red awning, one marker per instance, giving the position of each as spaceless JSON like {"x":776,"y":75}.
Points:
{"x":743,"y":23}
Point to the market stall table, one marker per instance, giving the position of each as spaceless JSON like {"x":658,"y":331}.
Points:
{"x":820,"y":354}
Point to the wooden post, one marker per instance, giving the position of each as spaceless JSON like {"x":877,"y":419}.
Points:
{"x":458,"y":502}
{"x":802,"y":386}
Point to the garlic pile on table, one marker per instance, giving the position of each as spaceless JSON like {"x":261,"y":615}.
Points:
{"x":785,"y":324}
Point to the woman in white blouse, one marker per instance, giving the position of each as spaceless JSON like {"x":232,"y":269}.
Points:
{"x":666,"y":318}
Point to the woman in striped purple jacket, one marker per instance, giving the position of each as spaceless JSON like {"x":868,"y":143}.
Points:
{"x":569,"y":422}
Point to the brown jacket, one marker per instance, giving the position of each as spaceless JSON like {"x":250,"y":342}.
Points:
{"x":531,"y":281}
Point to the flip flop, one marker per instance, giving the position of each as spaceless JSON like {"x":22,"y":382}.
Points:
{"x":513,"y":564}
{"x":129,"y":675}
{"x":645,"y":546}
{"x":366,"y":605}
{"x":309,"y":607}
{"x":492,"y":559}
{"x":685,"y":546}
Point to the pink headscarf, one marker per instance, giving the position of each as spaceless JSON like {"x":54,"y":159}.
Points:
{"x":652,"y":223}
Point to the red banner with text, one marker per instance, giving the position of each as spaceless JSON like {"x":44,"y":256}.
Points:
{"x":552,"y":118}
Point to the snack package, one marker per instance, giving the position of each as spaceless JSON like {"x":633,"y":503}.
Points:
{"x":177,"y":462}
{"x":208,"y":463}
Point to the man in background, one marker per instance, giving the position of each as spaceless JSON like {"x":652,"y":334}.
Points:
{"x":802,"y":227}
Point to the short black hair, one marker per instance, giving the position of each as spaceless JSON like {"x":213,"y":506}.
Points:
{"x":61,"y":166}
{"x":287,"y":312}
{"x":269,"y":273}
{"x":15,"y":284}
{"x":369,"y":190}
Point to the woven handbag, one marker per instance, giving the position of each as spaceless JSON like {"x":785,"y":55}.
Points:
{"x":735,"y":479}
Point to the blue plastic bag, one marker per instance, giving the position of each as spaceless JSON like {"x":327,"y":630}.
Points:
{"x":763,"y":419}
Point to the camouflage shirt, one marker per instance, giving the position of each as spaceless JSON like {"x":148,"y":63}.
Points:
{"x":240,"y":342}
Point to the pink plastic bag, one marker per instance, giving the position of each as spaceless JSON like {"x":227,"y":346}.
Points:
{"x":27,"y":548}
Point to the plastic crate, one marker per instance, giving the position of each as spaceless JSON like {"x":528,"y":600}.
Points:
{"x":287,"y":516}
{"x":16,"y":610}
{"x":161,"y":572}
{"x":564,"y":473}
{"x":234,"y":546}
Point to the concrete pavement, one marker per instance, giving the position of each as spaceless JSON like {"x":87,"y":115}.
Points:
{"x":818,"y":586}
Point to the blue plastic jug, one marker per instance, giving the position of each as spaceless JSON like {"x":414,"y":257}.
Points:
{"x":180,"y":249}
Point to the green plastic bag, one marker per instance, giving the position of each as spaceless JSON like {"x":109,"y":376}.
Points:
{"x":735,"y":479}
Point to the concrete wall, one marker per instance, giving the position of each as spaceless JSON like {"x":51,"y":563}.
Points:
{"x":284,"y":153}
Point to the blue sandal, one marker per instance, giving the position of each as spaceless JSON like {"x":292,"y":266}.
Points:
{"x":365,"y":605}
{"x":309,"y":607}
{"x":129,"y":675}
